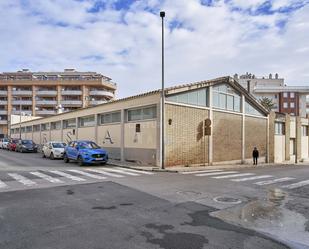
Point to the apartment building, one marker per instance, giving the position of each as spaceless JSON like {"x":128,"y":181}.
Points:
{"x":48,"y":93}
{"x":287,"y":99}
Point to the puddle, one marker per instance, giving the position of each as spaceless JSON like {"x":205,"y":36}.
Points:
{"x":269,"y":216}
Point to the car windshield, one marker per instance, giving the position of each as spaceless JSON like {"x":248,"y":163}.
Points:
{"x":58,"y":145}
{"x":26,"y":142}
{"x":5,"y":140}
{"x":89,"y":145}
{"x":14,"y":141}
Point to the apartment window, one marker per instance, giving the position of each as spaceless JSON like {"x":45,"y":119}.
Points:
{"x":45,"y":127}
{"x":279,"y":128}
{"x":292,"y":95}
{"x":29,"y":129}
{"x":224,"y":97}
{"x":292,"y":105}
{"x":36,"y":128}
{"x":304,"y":130}
{"x":87,"y":121}
{"x":285,"y":105}
{"x":23,"y":129}
{"x":285,"y":95}
{"x":12,"y":131}
{"x":69,"y":123}
{"x":249,"y":109}
{"x":142,"y":113}
{"x":55,"y":125}
{"x":196,"y":97}
{"x":107,"y":118}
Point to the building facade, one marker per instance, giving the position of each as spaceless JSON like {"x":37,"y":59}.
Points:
{"x":286,"y":99}
{"x":43,"y":93}
{"x":129,"y":129}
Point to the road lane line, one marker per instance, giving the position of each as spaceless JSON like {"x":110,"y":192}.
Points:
{"x":201,"y":171}
{"x":284,"y":179}
{"x":87,"y":174}
{"x":74,"y":178}
{"x":105,"y":173}
{"x":120,"y":171}
{"x":3,"y":185}
{"x":233,"y":176}
{"x":217,"y":173}
{"x":296,"y":185}
{"x":22,"y":179}
{"x":136,"y":171}
{"x":251,"y":178}
{"x":46,"y":177}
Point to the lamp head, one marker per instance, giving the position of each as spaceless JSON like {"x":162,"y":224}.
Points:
{"x":162,"y":14}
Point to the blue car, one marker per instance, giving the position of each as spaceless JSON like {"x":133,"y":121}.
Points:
{"x":85,"y":152}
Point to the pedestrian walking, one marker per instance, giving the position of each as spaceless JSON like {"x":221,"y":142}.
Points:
{"x":255,"y":155}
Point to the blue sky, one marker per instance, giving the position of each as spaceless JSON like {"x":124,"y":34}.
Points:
{"x":121,"y":39}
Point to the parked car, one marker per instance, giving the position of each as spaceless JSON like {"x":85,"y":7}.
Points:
{"x":85,"y":152}
{"x":26,"y":146}
{"x":53,"y":149}
{"x":12,"y":144}
{"x":4,"y":143}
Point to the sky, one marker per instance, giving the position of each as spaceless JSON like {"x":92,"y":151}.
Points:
{"x":121,"y":39}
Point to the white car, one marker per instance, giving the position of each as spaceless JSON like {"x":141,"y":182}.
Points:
{"x":53,"y":149}
{"x":4,"y":142}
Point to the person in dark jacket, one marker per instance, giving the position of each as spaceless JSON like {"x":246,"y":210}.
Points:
{"x":255,"y":155}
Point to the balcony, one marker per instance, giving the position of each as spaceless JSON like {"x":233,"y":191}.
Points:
{"x":3,"y":122}
{"x":71,"y":102}
{"x":45,"y":112}
{"x":3,"y":93}
{"x":3,"y":112}
{"x":101,"y":93}
{"x":22,"y":102}
{"x":3,"y":102}
{"x":23,"y":112}
{"x":22,"y":93}
{"x":46,"y":93}
{"x":97,"y":102}
{"x":71,"y":92}
{"x":46,"y":102}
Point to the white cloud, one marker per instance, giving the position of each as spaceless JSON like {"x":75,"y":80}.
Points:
{"x":209,"y":41}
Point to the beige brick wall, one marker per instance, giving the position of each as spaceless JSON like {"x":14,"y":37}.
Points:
{"x":185,"y":144}
{"x":255,"y":136}
{"x":226,"y":136}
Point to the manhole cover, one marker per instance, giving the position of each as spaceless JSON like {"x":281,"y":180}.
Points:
{"x":227,"y":199}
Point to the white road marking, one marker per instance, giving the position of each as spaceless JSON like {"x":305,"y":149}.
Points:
{"x":120,"y":171}
{"x":136,"y":171}
{"x":3,"y":185}
{"x":233,"y":176}
{"x":74,"y":178}
{"x":105,"y":173}
{"x":22,"y":179}
{"x":296,"y":185}
{"x":46,"y":177}
{"x":201,"y":171}
{"x":251,"y":178}
{"x":87,"y":174}
{"x":284,"y":179}
{"x":217,"y":173}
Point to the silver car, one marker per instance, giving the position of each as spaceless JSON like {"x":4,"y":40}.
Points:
{"x":53,"y":149}
{"x":4,"y":142}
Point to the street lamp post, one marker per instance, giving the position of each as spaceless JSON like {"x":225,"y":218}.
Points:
{"x":162,"y":15}
{"x":20,"y":106}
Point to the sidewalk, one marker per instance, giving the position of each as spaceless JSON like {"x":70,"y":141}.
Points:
{"x":177,"y":169}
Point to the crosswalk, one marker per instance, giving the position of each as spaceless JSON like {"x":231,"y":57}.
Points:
{"x":249,"y":177}
{"x":36,"y":178}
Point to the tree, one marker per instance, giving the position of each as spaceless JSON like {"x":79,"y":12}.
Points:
{"x":267,"y":103}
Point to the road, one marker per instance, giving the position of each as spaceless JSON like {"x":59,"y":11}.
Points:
{"x":49,"y":204}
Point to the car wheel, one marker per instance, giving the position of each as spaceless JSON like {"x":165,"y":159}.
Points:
{"x":80,"y":161}
{"x":51,"y":157}
{"x":43,"y":155}
{"x":65,"y":158}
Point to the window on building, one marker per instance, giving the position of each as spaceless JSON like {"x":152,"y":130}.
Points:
{"x":69,"y":123}
{"x":304,"y":130}
{"x":285,"y":105}
{"x":45,"y":127}
{"x":29,"y":129}
{"x":142,"y":113}
{"x":55,"y":125}
{"x":279,"y":128}
{"x":224,"y":97}
{"x":12,"y":131}
{"x":292,"y":105}
{"x":87,"y":121}
{"x":292,"y":95}
{"x":249,"y":109}
{"x":195,"y":97}
{"x":285,"y":95}
{"x":36,"y":128}
{"x":23,"y":129}
{"x":113,"y":117}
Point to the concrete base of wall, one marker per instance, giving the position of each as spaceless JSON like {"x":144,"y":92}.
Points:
{"x":140,"y":156}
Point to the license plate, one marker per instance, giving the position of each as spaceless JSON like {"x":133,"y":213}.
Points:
{"x":30,"y":149}
{"x":99,"y":159}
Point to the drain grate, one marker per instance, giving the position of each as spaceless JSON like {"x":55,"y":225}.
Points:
{"x":227,"y":200}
